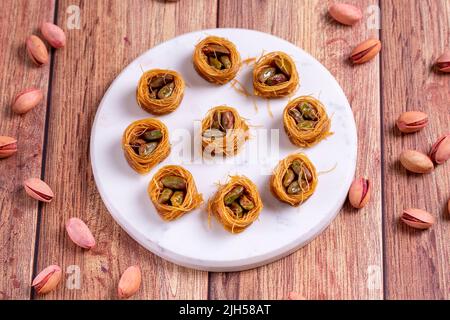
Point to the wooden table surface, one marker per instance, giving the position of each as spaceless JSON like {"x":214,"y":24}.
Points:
{"x":365,"y":254}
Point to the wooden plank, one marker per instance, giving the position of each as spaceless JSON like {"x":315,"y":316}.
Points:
{"x":18,"y":212}
{"x":112,"y":34}
{"x":345,"y":262}
{"x":417,"y":263}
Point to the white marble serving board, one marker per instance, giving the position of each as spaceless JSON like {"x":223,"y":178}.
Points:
{"x":190,"y":241}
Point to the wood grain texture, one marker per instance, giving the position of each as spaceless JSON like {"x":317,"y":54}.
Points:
{"x":345,"y":262}
{"x":18,"y":212}
{"x":417,"y":262}
{"x":112,"y":34}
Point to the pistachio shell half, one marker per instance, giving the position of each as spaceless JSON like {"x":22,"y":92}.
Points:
{"x":79,"y":233}
{"x":417,"y":218}
{"x":8,"y":146}
{"x":416,"y":161}
{"x":38,"y":189}
{"x":359,"y":193}
{"x":345,"y":13}
{"x":37,"y":51}
{"x":365,"y":51}
{"x":47,"y":279}
{"x":129,"y":283}
{"x":54,"y":35}
{"x":443,"y":62}
{"x":26,"y":100}
{"x":440,"y":151}
{"x":412,"y":121}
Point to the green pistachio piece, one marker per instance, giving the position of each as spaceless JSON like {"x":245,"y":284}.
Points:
{"x":174,"y":182}
{"x":160,"y":81}
{"x":266,"y":73}
{"x":146,"y":149}
{"x":152,"y":135}
{"x":304,"y":185}
{"x":293,"y":188}
{"x":165,"y":195}
{"x":215,"y":63}
{"x":232,"y":195}
{"x":294,"y":113}
{"x":166,"y":91}
{"x":305,"y":174}
{"x":225,"y":61}
{"x":296,"y":166}
{"x":308,"y":111}
{"x":288,"y":177}
{"x":237,"y":209}
{"x":176,"y":200}
{"x":227,"y":120}
{"x":246,"y":203}
{"x":276,"y":79}
{"x":306,"y":125}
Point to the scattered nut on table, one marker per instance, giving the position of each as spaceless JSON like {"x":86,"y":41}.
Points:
{"x":26,"y":100}
{"x":440,"y":151}
{"x":79,"y":233}
{"x":418,"y":218}
{"x":443,"y":62}
{"x":365,"y":51}
{"x":345,"y":13}
{"x":38,"y":189}
{"x":8,"y":146}
{"x":37,"y":51}
{"x":129,"y":282}
{"x":359,"y":193}
{"x":47,"y":279}
{"x":412,"y":121}
{"x":54,"y":35}
{"x":416,"y":161}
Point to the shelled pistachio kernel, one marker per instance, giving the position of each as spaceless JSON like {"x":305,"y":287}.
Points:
{"x":233,"y":195}
{"x":217,"y":56}
{"x":161,"y":86}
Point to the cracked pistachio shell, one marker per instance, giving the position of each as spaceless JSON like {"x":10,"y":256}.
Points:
{"x":79,"y":233}
{"x":412,"y":121}
{"x":37,"y":51}
{"x":26,"y":100}
{"x":47,"y":279}
{"x":365,"y":51}
{"x":54,"y":35}
{"x":359,"y":193}
{"x":416,"y":161}
{"x":129,"y":282}
{"x":440,"y":151}
{"x":417,"y":218}
{"x":443,"y":62}
{"x":38,"y":189}
{"x":8,"y":146}
{"x":345,"y":13}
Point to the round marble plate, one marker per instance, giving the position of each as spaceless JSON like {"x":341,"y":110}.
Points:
{"x":190,"y":241}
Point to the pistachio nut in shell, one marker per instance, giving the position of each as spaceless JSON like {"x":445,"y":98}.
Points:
{"x":440,"y":151}
{"x":8,"y":146}
{"x":443,"y":62}
{"x":412,"y":121}
{"x":416,"y":161}
{"x":129,"y":283}
{"x":26,"y":100}
{"x":365,"y":51}
{"x":38,"y":189}
{"x":359,"y":193}
{"x":54,"y":35}
{"x":47,"y":279}
{"x":417,"y":218}
{"x":37,"y":51}
{"x":345,"y":13}
{"x":79,"y":233}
